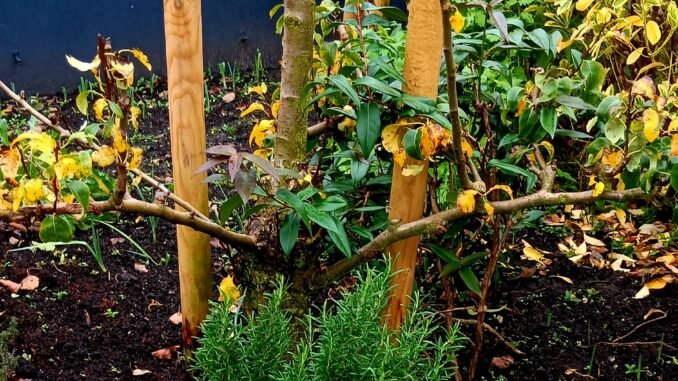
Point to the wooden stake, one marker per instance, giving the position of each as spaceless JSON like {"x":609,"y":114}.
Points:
{"x":423,"y":53}
{"x":183,"y":36}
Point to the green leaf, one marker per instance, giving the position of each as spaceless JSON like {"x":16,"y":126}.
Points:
{"x":674,"y":177}
{"x":541,"y":38}
{"x":444,"y":253}
{"x":331,"y":204}
{"x":81,"y":102}
{"x":548,"y":117}
{"x":227,"y":207}
{"x":368,"y":126}
{"x":513,"y":97}
{"x":56,"y":228}
{"x":593,"y":73}
{"x":527,"y":124}
{"x":81,"y":192}
{"x":115,"y":109}
{"x":359,"y":170}
{"x":340,"y":239}
{"x":470,"y":280}
{"x":574,"y":102}
{"x":411,"y":142}
{"x":573,"y":134}
{"x":289,"y":232}
{"x":499,"y":21}
{"x":4,"y":134}
{"x":321,"y":218}
{"x":615,"y":130}
{"x":420,"y":104}
{"x":377,"y":85}
{"x":265,"y":165}
{"x":342,"y":83}
{"x":607,"y":107}
{"x":515,"y":170}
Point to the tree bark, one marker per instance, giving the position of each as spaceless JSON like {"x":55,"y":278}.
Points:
{"x":296,"y":65}
{"x":423,"y":52}
{"x":183,"y":36}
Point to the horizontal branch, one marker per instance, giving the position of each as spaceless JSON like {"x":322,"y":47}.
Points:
{"x":132,"y":205}
{"x":436,"y":223}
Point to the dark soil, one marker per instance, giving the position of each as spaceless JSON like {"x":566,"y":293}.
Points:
{"x":67,"y":334}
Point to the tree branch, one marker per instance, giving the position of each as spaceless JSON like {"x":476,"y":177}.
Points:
{"x":132,"y":205}
{"x":436,"y":223}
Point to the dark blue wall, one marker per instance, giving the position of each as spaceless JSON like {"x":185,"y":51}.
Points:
{"x":41,"y":32}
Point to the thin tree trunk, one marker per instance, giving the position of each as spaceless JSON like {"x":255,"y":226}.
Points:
{"x":296,"y":65}
{"x":408,"y":193}
{"x":183,"y":35}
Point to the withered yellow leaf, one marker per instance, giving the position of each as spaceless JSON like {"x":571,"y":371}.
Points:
{"x":10,"y":160}
{"x":142,"y":58}
{"x":673,"y":126}
{"x":134,"y":113}
{"x":504,"y":188}
{"x":391,"y":136}
{"x":83,"y":66}
{"x":613,"y":159}
{"x":457,"y":21}
{"x":466,"y":201}
{"x":644,"y":86}
{"x":533,"y":254}
{"x":228,"y":291}
{"x":262,"y":153}
{"x":261,"y":89}
{"x":275,"y":108}
{"x":598,"y":189}
{"x":135,"y":161}
{"x":412,"y":169}
{"x":652,"y":32}
{"x":583,"y":5}
{"x":99,"y":106}
{"x":634,"y":56}
{"x":104,"y":156}
{"x":674,"y":144}
{"x":256,"y":106}
{"x":651,"y":125}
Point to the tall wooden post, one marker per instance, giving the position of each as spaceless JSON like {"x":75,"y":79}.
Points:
{"x":423,"y":52}
{"x":183,"y":36}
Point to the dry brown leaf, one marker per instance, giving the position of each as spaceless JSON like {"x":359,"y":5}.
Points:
{"x":616,"y":265}
{"x":12,"y":287}
{"x":176,"y":318}
{"x":593,"y":241}
{"x":117,"y":240}
{"x":502,"y":362}
{"x":165,"y":353}
{"x":140,"y":372}
{"x":140,"y":267}
{"x":30,"y":283}
{"x":564,"y":279}
{"x":651,"y":229}
{"x":229,"y":97}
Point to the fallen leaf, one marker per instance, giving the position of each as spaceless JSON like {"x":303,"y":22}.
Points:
{"x":532,"y":254}
{"x":564,"y":278}
{"x":165,"y":353}
{"x":176,"y":318}
{"x":140,"y":372}
{"x":117,"y":240}
{"x":229,"y":97}
{"x":616,"y":265}
{"x":30,"y":283}
{"x":140,"y":267}
{"x":593,"y":241}
{"x":12,"y":287}
{"x":502,"y":362}
{"x":650,"y":229}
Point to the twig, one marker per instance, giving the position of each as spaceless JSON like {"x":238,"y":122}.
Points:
{"x":636,"y":343}
{"x":496,"y":334}
{"x":639,"y":326}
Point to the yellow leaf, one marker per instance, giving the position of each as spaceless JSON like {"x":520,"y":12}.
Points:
{"x":466,"y":147}
{"x":399,"y":157}
{"x":651,"y":125}
{"x":489,"y":209}
{"x":673,"y":126}
{"x":644,"y":86}
{"x":391,"y":136}
{"x":33,"y":191}
{"x":466,"y":201}
{"x":504,"y":188}
{"x":104,"y":156}
{"x":10,"y":160}
{"x":533,"y":254}
{"x":275,"y":108}
{"x":652,"y":32}
{"x":346,"y":124}
{"x":549,"y":148}
{"x":119,"y":142}
{"x":261,"y":130}
{"x":256,"y":106}
{"x":261,"y":89}
{"x":83,"y":66}
{"x":621,"y":215}
{"x":598,"y":189}
{"x":228,"y":291}
{"x":39,"y":142}
{"x":134,"y":113}
{"x":674,"y":144}
{"x":633,"y":57}
{"x":142,"y":58}
{"x":412,"y":169}
{"x":592,"y":180}
{"x":262,"y":153}
{"x":135,"y":161}
{"x":659,"y":283}
{"x":98,"y":107}
{"x":457,"y":21}
{"x":583,"y":5}
{"x":66,"y":167}
{"x":563,"y":44}
{"x":123,"y":72}
{"x":613,"y":159}
{"x":634,"y":20}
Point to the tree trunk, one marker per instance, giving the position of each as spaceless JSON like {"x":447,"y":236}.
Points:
{"x":297,"y":58}
{"x":183,"y":35}
{"x":423,"y":51}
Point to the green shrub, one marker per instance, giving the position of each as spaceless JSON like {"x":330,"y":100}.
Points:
{"x":7,"y":360}
{"x":347,"y":341}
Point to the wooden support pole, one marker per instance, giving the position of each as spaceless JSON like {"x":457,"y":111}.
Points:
{"x":183,"y":36}
{"x":423,"y":52}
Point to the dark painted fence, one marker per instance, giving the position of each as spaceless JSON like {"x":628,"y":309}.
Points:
{"x":36,"y":34}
